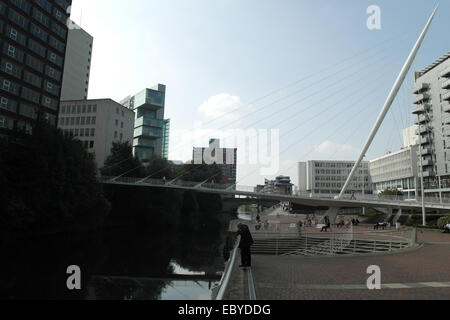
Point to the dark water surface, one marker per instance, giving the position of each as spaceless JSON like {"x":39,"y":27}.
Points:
{"x":119,"y":264}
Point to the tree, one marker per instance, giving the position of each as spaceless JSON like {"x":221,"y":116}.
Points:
{"x":121,"y":161}
{"x":202,"y":172}
{"x":50,"y":183}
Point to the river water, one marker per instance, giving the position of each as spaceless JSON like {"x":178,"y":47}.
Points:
{"x":118,"y":264}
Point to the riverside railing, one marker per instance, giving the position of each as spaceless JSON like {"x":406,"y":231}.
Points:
{"x":224,"y":281}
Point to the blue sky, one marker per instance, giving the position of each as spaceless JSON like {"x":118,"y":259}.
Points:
{"x":221,"y":56}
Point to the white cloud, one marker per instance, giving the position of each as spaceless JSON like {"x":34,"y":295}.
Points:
{"x":223,"y":106}
{"x":337,"y":151}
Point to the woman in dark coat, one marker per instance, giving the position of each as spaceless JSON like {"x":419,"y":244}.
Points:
{"x":245,"y":244}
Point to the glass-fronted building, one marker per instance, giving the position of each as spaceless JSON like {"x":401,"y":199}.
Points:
{"x":151,"y":130}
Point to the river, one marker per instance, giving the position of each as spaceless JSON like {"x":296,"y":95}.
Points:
{"x":120,"y":264}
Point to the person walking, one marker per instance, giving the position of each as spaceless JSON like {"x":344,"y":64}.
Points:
{"x":245,"y":244}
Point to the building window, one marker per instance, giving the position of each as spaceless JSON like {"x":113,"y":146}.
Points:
{"x":91,"y":144}
{"x":93,"y":120}
{"x":92,"y":132}
{"x":117,"y":123}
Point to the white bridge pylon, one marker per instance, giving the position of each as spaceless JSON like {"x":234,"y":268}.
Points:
{"x":390,"y":99}
{"x":332,"y":212}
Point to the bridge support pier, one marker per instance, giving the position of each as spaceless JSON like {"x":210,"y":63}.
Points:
{"x":332,"y":213}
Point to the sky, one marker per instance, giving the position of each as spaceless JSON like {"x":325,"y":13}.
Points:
{"x":310,"y":70}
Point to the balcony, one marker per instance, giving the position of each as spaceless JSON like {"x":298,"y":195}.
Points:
{"x":446,"y":106}
{"x":425,"y":151}
{"x":425,"y":163}
{"x":446,"y":73}
{"x":446,"y":132}
{"x":424,"y":140}
{"x":426,"y":174}
{"x":419,"y":110}
{"x":421,"y":87}
{"x":446,"y":96}
{"x":446,"y":84}
{"x":423,"y":129}
{"x":421,"y":98}
{"x":423,"y":119}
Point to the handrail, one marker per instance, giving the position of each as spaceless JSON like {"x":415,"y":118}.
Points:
{"x":223,"y":284}
{"x":394,"y":200}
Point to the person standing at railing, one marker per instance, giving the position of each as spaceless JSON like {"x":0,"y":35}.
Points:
{"x":245,"y":244}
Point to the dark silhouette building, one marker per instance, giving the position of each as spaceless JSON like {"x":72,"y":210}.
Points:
{"x":32,"y":51}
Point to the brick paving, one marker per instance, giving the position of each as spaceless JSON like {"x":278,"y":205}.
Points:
{"x":281,"y":278}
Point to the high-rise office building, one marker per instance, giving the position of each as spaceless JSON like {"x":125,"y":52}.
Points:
{"x":151,"y":130}
{"x":97,"y":123}
{"x":432,"y":100}
{"x":77,"y":66}
{"x":32,"y":52}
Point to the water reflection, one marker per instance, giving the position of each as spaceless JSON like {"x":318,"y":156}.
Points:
{"x":120,"y":264}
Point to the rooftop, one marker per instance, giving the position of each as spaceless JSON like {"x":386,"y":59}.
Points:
{"x":435,"y":64}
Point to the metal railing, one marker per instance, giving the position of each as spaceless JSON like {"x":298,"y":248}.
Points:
{"x":224,"y":281}
{"x":249,"y":191}
{"x":335,"y":243}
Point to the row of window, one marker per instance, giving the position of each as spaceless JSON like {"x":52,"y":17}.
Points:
{"x":83,"y":132}
{"x":336,"y":165}
{"x":36,"y":64}
{"x":79,"y":109}
{"x":16,"y":71}
{"x":11,"y":124}
{"x":77,"y":121}
{"x":339,"y":172}
{"x":28,"y":94}
{"x":38,"y":15}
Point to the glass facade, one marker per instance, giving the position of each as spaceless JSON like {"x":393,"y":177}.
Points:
{"x":151,"y":132}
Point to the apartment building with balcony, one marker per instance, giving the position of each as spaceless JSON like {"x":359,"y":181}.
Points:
{"x":328,"y":177}
{"x":97,"y":124}
{"x":151,"y":130}
{"x":33,"y":39}
{"x":432,"y":109}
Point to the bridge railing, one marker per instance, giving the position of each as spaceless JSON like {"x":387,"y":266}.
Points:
{"x":249,"y":189}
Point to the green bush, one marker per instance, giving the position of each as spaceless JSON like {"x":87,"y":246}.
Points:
{"x":443,"y":221}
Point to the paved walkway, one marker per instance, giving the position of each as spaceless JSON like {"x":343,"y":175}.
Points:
{"x":418,"y":274}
